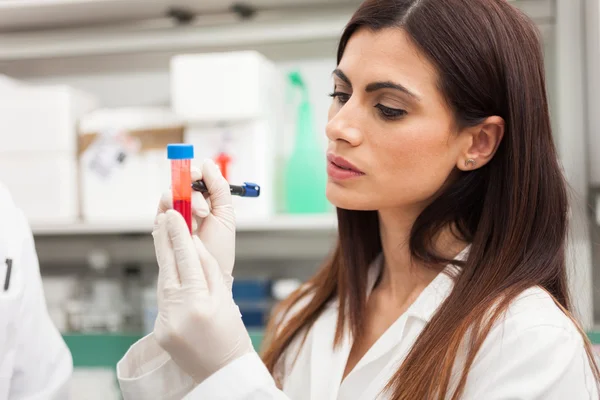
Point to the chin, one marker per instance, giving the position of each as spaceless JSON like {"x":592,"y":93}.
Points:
{"x":346,"y":198}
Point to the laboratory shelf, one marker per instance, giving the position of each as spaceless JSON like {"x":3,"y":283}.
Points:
{"x":266,"y":28}
{"x":280,"y":223}
{"x":59,"y":28}
{"x":106,"y":349}
{"x":19,"y":15}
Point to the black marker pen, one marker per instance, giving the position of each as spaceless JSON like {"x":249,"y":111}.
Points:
{"x":248,"y":189}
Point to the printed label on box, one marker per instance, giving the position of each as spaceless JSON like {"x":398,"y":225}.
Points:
{"x":108,"y":153}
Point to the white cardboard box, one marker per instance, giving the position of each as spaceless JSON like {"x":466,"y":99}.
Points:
{"x":41,"y":118}
{"x":227,"y":86}
{"x":42,"y":184}
{"x":127,"y":189}
{"x":130,"y":193}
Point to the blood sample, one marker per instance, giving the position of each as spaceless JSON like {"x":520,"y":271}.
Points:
{"x":180,"y":156}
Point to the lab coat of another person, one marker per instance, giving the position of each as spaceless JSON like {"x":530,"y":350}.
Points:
{"x":200,"y":349}
{"x":35,"y":362}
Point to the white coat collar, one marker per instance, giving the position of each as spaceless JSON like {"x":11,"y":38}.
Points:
{"x":326,"y":374}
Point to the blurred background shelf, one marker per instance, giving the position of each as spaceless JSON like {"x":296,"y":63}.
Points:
{"x":208,"y":33}
{"x":99,"y":27}
{"x":284,"y":223}
{"x":22,"y":15}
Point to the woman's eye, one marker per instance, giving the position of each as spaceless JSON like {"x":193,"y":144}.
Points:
{"x":341,"y":97}
{"x":390,"y":113}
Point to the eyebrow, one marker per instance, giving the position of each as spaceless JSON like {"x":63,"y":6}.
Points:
{"x":372,"y":87}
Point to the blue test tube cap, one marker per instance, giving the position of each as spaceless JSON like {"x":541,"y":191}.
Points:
{"x":180,"y":151}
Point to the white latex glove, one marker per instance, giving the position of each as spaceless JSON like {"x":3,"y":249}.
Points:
{"x":214,"y":220}
{"x":198,"y":323}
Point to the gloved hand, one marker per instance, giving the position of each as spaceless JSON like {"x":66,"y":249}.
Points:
{"x":198,"y":323}
{"x":214,"y":220}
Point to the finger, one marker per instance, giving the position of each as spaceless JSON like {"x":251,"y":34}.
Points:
{"x":218,"y":187}
{"x":186,"y":257}
{"x":212,"y":271}
{"x":196,"y":173}
{"x":167,"y":270}
{"x":200,"y":206}
{"x":166,"y":202}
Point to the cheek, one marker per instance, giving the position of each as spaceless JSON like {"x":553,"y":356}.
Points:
{"x":414,"y":164}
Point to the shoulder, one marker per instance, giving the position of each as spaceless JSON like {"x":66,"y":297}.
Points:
{"x":533,"y":319}
{"x":535,"y":309}
{"x":537,"y":345}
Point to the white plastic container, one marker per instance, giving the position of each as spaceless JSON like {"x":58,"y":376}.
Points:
{"x":38,"y":142}
{"x":41,"y":118}
{"x":44,"y":185}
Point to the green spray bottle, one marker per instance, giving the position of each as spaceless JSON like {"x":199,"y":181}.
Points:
{"x":305,"y":175}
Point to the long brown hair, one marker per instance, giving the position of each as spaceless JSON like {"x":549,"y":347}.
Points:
{"x":513,"y":210}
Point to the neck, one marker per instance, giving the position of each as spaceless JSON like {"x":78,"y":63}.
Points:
{"x":403,"y":278}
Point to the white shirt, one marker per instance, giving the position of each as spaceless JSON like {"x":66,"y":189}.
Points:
{"x":35,"y":363}
{"x":533,"y":353}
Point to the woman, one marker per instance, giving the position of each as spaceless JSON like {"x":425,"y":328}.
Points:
{"x":448,"y":280}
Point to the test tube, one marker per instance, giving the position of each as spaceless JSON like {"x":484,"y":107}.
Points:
{"x":180,"y":156}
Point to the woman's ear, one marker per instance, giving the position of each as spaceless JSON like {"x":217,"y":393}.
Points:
{"x":483,"y":141}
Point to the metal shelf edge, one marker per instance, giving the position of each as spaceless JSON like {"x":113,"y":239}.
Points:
{"x":325,"y":222}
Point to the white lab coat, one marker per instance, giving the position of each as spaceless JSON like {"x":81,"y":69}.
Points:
{"x":534,"y":353}
{"x":35,"y":363}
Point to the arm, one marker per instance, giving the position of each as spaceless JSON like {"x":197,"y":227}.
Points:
{"x":43,"y":364}
{"x":543,"y":362}
{"x":147,"y":371}
{"x":245,"y":378}
{"x":199,"y":326}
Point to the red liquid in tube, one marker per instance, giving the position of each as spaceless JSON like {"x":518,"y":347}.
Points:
{"x":185,"y":209}
{"x":180,"y":156}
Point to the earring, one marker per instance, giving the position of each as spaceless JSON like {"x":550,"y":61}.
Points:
{"x":469,"y":162}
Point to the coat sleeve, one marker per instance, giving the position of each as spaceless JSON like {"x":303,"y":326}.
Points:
{"x":147,"y":371}
{"x":246,"y":378}
{"x":542,"y":362}
{"x":43,"y":365}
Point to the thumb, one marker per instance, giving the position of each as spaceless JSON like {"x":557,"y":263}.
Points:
{"x":217,"y":185}
{"x":186,"y":259}
{"x":212,"y":271}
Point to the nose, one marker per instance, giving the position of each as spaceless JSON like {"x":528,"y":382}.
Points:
{"x":343,"y":126}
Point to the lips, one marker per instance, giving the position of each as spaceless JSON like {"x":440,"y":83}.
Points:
{"x":342,"y":163}
{"x":340,"y":169}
